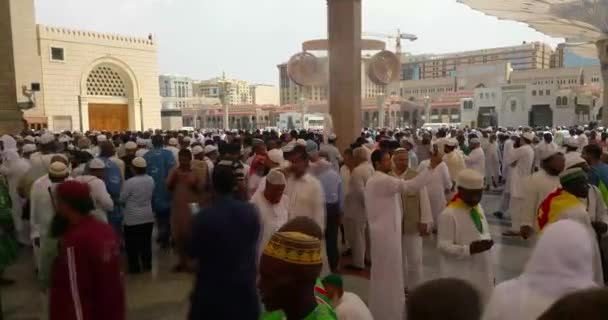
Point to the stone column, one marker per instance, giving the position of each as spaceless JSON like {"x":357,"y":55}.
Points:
{"x":10,"y":115}
{"x":602,"y":48}
{"x":344,"y":32}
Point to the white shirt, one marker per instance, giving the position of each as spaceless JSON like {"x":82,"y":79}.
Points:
{"x":136,"y":194}
{"x":523,"y":158}
{"x":141,"y":152}
{"x":351,"y":307}
{"x":345,"y":176}
{"x":476,"y":160}
{"x":456,"y":232}
{"x":383,"y":209}
{"x":42,"y":208}
{"x":101,"y":198}
{"x":272,"y":216}
{"x":306,"y":198}
{"x":455,"y":163}
{"x":175,"y":152}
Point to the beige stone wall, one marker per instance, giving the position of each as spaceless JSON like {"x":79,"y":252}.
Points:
{"x":135,"y":60}
{"x":264,"y":94}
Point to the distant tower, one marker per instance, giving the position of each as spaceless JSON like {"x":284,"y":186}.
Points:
{"x":20,"y":64}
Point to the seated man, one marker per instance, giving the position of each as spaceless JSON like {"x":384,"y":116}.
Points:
{"x":348,"y":305}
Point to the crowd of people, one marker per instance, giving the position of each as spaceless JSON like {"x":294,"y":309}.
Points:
{"x":267,"y":221}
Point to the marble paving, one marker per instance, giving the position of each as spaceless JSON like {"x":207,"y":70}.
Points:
{"x":163,"y":295}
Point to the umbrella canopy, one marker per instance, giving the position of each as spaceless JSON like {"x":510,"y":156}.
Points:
{"x":583,"y":23}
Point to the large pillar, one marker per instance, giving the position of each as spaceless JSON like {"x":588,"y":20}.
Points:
{"x":10,"y":115}
{"x":602,"y":48}
{"x":344,"y":32}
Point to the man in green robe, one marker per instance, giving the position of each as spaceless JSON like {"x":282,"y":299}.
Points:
{"x":289,"y":269}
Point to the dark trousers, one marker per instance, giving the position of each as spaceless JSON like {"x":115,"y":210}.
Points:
{"x":331,"y":234}
{"x":163,"y":223}
{"x":138,"y":243}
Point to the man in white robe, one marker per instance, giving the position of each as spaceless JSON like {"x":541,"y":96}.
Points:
{"x":173,"y":146}
{"x":272,"y":205}
{"x":453,"y":158}
{"x":463,"y":239}
{"x":476,"y":160}
{"x":99,"y":194}
{"x":572,"y":199}
{"x":542,"y":147}
{"x":416,"y":220}
{"x":304,"y":191}
{"x":561,"y":263}
{"x":492,"y":166}
{"x":387,"y":299}
{"x":521,"y":160}
{"x":355,"y":218}
{"x":506,"y":169}
{"x":539,"y":186}
{"x":14,"y":168}
{"x":42,"y":207}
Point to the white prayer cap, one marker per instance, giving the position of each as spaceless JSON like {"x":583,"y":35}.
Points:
{"x":29,"y":139}
{"x":102,"y":138}
{"x":474,"y":140}
{"x":276,"y":177}
{"x":29,"y":148}
{"x":139,"y":162}
{"x":47,"y":138}
{"x":64,"y":139}
{"x":301,"y":142}
{"x":571,"y":142}
{"x":141,"y":142}
{"x":573,"y":159}
{"x":58,"y":169}
{"x":332,"y":137}
{"x":528,"y":135}
{"x":97,"y":164}
{"x":276,"y":156}
{"x":197,"y":150}
{"x":172,"y":142}
{"x":451,"y":143}
{"x":288,"y":147}
{"x":469,"y":179}
{"x":547,"y":151}
{"x":130,"y":145}
{"x":187,"y":139}
{"x":210,"y":148}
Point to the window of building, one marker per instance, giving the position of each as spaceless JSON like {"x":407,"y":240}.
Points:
{"x":547,"y":92}
{"x":513,"y":105}
{"x":565,"y":101}
{"x":541,"y":93}
{"x":57,"y":54}
{"x":558,"y":101}
{"x":533,"y":92}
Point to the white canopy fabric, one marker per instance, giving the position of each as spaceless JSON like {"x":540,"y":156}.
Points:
{"x":580,"y":22}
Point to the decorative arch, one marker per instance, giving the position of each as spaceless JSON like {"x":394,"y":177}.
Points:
{"x":121,"y":68}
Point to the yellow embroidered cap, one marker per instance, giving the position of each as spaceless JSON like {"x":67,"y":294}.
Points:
{"x":295,"y":248}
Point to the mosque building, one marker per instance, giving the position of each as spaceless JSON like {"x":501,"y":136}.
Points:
{"x":66,"y":79}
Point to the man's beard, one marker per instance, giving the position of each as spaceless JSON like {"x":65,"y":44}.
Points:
{"x":59,"y":226}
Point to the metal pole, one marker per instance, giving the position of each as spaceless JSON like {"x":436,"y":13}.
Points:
{"x":141,"y":113}
{"x":79,"y":119}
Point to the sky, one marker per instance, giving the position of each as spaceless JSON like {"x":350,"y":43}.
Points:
{"x":248,"y":38}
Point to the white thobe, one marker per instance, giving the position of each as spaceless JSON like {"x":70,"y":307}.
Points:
{"x":175,"y":152}
{"x":345,"y":176}
{"x":455,"y":234}
{"x":382,"y":192}
{"x":40,"y":164}
{"x":582,"y":141}
{"x":538,"y":187}
{"x":557,"y":266}
{"x":14,"y":168}
{"x":476,"y":160}
{"x":440,"y":185}
{"x":100,"y":196}
{"x":141,"y":152}
{"x":506,"y":168}
{"x":541,"y":148}
{"x":272,"y":217}
{"x":42,"y":210}
{"x":355,"y":218}
{"x":492,"y":160}
{"x":455,"y":163}
{"x":306,"y":198}
{"x":351,"y":307}
{"x":523,"y":158}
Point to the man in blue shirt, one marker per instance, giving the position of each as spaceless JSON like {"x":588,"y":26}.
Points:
{"x":160,"y":162}
{"x":224,"y":243}
{"x":598,"y":175}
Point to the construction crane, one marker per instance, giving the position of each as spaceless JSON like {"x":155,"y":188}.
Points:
{"x":398,"y":37}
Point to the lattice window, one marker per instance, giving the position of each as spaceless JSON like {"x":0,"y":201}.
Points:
{"x":103,"y":81}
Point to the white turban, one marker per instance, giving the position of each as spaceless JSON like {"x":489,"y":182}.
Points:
{"x":276,"y":177}
{"x":470,"y":179}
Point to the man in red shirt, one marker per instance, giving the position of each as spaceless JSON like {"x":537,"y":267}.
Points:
{"x":86,"y":281}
